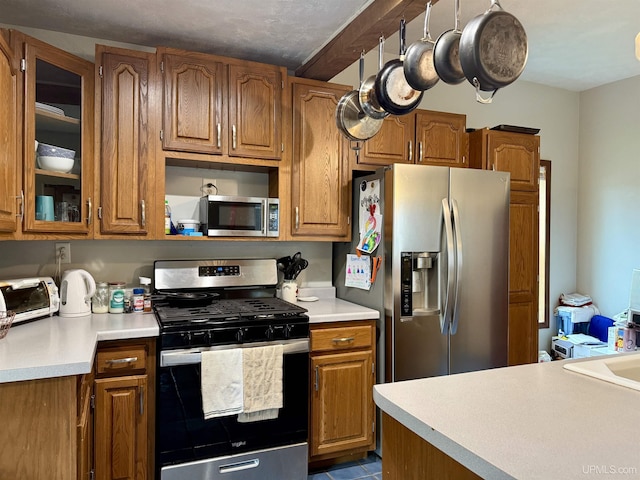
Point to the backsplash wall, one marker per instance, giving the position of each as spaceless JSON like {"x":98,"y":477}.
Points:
{"x":126,"y":260}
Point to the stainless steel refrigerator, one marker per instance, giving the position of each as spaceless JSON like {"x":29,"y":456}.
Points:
{"x":442,"y":286}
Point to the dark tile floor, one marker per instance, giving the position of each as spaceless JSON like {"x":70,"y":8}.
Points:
{"x":369,"y":468}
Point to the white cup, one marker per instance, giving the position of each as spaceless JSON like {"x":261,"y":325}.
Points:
{"x":289,"y":291}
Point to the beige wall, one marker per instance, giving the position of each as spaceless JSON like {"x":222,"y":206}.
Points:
{"x":609,"y":193}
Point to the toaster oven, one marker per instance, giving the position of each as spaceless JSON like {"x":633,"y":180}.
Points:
{"x":30,"y":298}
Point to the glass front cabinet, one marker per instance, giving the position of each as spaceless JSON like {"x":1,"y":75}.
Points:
{"x":58,"y":159}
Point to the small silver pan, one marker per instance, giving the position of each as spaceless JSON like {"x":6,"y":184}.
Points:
{"x":367,"y":95}
{"x":418,"y":61}
{"x":446,"y":55}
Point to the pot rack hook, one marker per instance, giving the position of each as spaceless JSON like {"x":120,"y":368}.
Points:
{"x":480,"y":98}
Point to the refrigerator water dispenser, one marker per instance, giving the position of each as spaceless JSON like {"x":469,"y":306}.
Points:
{"x":419,"y":284}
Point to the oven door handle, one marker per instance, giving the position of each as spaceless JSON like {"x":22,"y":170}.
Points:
{"x":193,"y":356}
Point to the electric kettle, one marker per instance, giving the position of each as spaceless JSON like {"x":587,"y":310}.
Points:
{"x":76,"y":289}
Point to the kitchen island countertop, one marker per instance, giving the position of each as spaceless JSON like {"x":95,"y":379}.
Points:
{"x":533,"y":421}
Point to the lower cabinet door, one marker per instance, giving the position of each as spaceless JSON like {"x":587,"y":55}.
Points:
{"x":121,"y":428}
{"x":342,"y":402}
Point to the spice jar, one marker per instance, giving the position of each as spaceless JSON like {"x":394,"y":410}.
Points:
{"x":138,"y":299}
{"x":116,"y":297}
{"x":100,"y":299}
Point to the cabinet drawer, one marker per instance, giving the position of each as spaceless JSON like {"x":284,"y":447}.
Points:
{"x":341,"y":338}
{"x":121,"y":360}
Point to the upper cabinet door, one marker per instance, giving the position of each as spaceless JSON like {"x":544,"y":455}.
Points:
{"x":320,"y":196}
{"x":9,"y":156}
{"x":58,"y":111}
{"x":255,"y":117}
{"x":126,"y":170}
{"x":392,"y":144}
{"x":193,"y":118}
{"x":518,"y":154}
{"x":441,"y":139}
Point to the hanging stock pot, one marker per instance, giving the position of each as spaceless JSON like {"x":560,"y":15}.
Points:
{"x":493,"y":50}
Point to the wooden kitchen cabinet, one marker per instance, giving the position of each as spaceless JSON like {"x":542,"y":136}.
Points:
{"x":125,"y":178}
{"x":221,"y":106}
{"x":518,"y":154}
{"x":53,"y":77}
{"x":423,"y":136}
{"x":9,"y":156}
{"x":124,"y":410}
{"x":320,"y":190}
{"x":85,"y":426}
{"x":343,"y":374}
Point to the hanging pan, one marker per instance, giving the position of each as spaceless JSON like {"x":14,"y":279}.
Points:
{"x":446,"y":57}
{"x":395,"y":95}
{"x":418,"y":61}
{"x":351,"y":120}
{"x":367,"y":95}
{"x":493,"y":50}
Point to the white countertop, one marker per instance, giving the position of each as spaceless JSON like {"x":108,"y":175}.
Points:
{"x":57,"y":346}
{"x":330,"y":309}
{"x":536,"y":421}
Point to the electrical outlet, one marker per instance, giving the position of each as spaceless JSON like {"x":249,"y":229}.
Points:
{"x":63,"y":252}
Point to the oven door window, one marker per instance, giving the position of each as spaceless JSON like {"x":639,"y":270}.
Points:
{"x":184,"y":434}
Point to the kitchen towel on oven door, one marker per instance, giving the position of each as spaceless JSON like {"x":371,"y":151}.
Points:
{"x":262,"y":386}
{"x":221,"y":382}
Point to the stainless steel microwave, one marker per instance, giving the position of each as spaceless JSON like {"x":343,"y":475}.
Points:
{"x":29,"y":298}
{"x":234,"y":216}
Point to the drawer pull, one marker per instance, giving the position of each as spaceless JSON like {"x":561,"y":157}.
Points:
{"x":343,"y":340}
{"x":119,"y":361}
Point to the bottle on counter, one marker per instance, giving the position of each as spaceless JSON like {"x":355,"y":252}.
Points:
{"x":100,"y":299}
{"x":116,"y":297}
{"x":138,"y":300}
{"x":145,"y":284}
{"x":167,"y":218}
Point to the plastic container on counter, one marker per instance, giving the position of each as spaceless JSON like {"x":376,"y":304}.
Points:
{"x":116,"y":297}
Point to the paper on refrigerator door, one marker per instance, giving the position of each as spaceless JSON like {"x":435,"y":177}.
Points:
{"x":369,"y":218}
{"x":358,"y":272}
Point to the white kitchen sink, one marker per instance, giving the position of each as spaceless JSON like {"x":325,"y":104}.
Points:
{"x":621,"y":369}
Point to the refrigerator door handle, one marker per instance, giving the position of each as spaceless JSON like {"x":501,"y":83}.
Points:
{"x":458,"y":287}
{"x":445,"y":318}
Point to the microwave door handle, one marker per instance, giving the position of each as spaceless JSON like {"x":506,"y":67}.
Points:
{"x":458,"y":288}
{"x":445,"y":316}
{"x":265,"y":216}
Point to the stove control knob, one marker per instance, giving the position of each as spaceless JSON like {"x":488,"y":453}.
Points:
{"x":287,"y":331}
{"x":240,"y":335}
{"x":270,"y":333}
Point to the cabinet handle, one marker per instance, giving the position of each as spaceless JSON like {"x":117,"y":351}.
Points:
{"x":141,"y":391}
{"x":343,"y":340}
{"x":420,"y":152}
{"x":297,"y":218}
{"x":233,"y":136}
{"x":21,"y":198}
{"x":118,"y":361}
{"x":144,"y":213}
{"x":317,"y":381}
{"x":410,"y":151}
{"x":90,"y":208}
{"x":219,"y":130}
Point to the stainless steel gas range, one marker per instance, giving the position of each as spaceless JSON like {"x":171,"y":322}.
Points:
{"x":204,"y":305}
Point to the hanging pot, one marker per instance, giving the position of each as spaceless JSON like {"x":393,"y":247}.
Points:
{"x":446,"y":57}
{"x":367,"y":94}
{"x":394,"y":94}
{"x":493,"y":50}
{"x":418,"y":61}
{"x":351,"y":120}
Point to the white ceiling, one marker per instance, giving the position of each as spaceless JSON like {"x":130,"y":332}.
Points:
{"x":573,"y":44}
